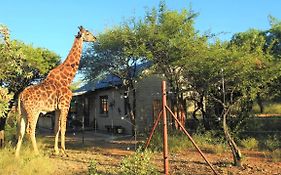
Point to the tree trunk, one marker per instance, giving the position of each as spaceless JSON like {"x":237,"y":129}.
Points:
{"x":132,"y":107}
{"x":2,"y":131}
{"x":234,"y":148}
{"x":260,"y":103}
{"x":2,"y":138}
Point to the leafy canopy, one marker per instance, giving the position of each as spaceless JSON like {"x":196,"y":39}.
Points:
{"x":22,"y":64}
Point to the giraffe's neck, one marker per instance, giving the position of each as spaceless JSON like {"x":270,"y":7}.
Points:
{"x":65,"y":72}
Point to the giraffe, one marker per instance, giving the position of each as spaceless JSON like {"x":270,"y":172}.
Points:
{"x":52,"y":94}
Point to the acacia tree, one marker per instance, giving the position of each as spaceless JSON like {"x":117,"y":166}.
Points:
{"x":21,"y":64}
{"x":116,"y":54}
{"x":273,"y":46}
{"x":169,"y":37}
{"x":229,"y":76}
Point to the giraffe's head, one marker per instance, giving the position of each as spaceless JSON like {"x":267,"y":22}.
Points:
{"x":86,"y":35}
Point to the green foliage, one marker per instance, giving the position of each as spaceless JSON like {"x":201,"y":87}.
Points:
{"x":75,"y":85}
{"x":273,"y":143}
{"x":22,"y":64}
{"x":269,"y":107}
{"x":273,"y":37}
{"x":250,"y":143}
{"x":115,"y":54}
{"x":276,"y":155}
{"x":11,"y":128}
{"x":138,"y":163}
{"x":169,"y":38}
{"x":92,"y":168}
{"x":5,"y":98}
{"x":209,"y":142}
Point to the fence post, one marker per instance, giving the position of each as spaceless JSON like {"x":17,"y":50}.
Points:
{"x":165,"y":135}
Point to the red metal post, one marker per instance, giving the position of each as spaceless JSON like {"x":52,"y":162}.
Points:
{"x":153,"y":129}
{"x":165,"y":130}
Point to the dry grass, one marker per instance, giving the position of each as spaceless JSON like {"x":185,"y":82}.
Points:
{"x":27,"y":164}
{"x":108,"y":155}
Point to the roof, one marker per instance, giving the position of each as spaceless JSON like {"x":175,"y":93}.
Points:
{"x":109,"y":81}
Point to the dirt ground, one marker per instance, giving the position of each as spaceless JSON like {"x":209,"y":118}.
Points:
{"x":108,"y":150}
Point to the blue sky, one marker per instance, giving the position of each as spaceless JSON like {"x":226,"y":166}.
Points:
{"x":52,"y":24}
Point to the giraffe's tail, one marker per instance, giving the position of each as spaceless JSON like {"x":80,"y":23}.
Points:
{"x":19,"y":109}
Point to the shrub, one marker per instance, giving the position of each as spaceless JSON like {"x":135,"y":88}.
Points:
{"x":11,"y":129}
{"x":5,"y":98}
{"x":215,"y":149}
{"x":250,"y":143}
{"x":276,"y":155}
{"x":211,"y":142}
{"x":272,"y":143}
{"x":139,"y":163}
{"x":92,"y":168}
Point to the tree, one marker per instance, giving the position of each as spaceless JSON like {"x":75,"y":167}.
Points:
{"x":115,"y":54}
{"x":5,"y":98}
{"x":22,"y":65}
{"x":169,"y":37}
{"x":273,"y":46}
{"x":273,"y":37}
{"x":229,"y":76}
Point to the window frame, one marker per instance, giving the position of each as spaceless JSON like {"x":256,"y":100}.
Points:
{"x":104,"y":104}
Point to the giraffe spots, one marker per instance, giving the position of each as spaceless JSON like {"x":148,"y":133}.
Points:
{"x":63,"y":76}
{"x":53,"y":86}
{"x":64,"y":90}
{"x":70,"y":59}
{"x":44,"y":95}
{"x":44,"y":88}
{"x":51,"y":76}
{"x":64,"y":83}
{"x":48,"y":87}
{"x":53,"y":96}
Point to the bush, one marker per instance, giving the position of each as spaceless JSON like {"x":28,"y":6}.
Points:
{"x":211,"y":142}
{"x":5,"y":98}
{"x":92,"y":168}
{"x":139,"y":163}
{"x":272,"y":143}
{"x":11,"y":129}
{"x":276,"y":155}
{"x":250,"y":143}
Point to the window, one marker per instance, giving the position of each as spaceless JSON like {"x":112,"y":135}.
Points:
{"x":104,"y":104}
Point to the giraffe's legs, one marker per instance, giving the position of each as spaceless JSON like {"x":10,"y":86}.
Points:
{"x":57,"y":131}
{"x":31,"y":126}
{"x":63,"y":118}
{"x":21,"y":131}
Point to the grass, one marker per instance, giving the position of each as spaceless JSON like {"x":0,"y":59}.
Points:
{"x":276,"y":155}
{"x":269,"y":108}
{"x":27,"y":164}
{"x":207,"y":142}
{"x":250,"y":143}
